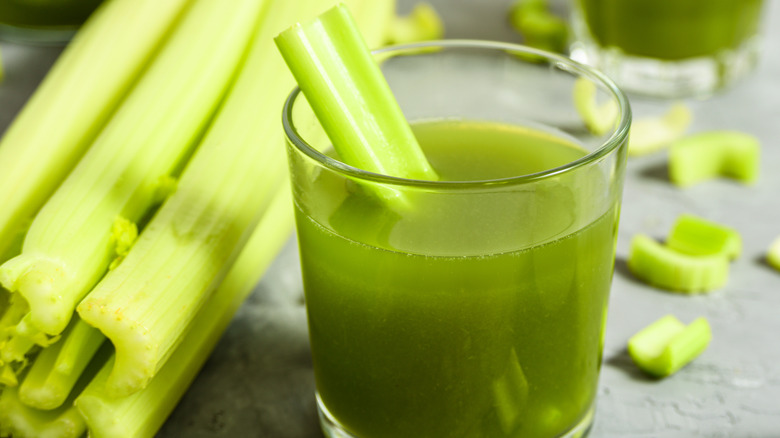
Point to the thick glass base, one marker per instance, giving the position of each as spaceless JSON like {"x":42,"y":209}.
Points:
{"x":333,"y":429}
{"x":696,"y":77}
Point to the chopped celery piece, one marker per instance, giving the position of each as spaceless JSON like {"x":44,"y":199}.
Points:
{"x":57,"y":368}
{"x":667,"y":345}
{"x":714,"y":154}
{"x":696,"y":236}
{"x":68,"y":247}
{"x":510,"y":393}
{"x":73,"y":103}
{"x":599,"y":118}
{"x":773,"y":255}
{"x":652,"y":134}
{"x":422,"y":24}
{"x":187,"y":248}
{"x":352,"y":100}
{"x":664,"y":267}
{"x":141,"y":414}
{"x":541,"y":28}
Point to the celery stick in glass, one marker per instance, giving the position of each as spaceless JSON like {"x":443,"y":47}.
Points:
{"x":73,"y":103}
{"x":667,"y":345}
{"x":187,"y":248}
{"x":697,"y":236}
{"x":652,"y":134}
{"x":714,"y":154}
{"x":664,"y":267}
{"x":69,"y":246}
{"x":352,"y":100}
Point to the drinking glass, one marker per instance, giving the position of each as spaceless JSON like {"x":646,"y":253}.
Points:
{"x":477,"y":307}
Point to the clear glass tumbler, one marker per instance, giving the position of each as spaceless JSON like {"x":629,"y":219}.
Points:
{"x":668,"y":48}
{"x":477,"y":308}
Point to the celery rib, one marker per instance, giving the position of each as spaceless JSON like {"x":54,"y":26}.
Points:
{"x":697,"y":236}
{"x":598,"y":118}
{"x":773,"y":254}
{"x":422,"y":24}
{"x":146,"y":304}
{"x":68,"y":247}
{"x":714,"y":154}
{"x":74,"y":102}
{"x":352,"y":100}
{"x":667,"y":345}
{"x":20,"y":421}
{"x":652,"y":134}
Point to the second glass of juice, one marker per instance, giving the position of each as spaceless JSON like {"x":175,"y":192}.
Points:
{"x":476,"y":306}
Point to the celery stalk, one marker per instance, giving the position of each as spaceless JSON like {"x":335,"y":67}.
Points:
{"x":374,"y":19}
{"x":773,"y":254}
{"x":74,"y":102}
{"x":666,"y":345}
{"x":697,"y":236}
{"x":20,"y":421}
{"x":598,"y":117}
{"x":141,"y":414}
{"x":57,"y":368}
{"x":351,"y":98}
{"x":69,"y":245}
{"x":714,"y":154}
{"x":421,"y":24}
{"x":191,"y":242}
{"x":652,"y":134}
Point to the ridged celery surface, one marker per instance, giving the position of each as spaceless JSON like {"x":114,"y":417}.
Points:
{"x":72,"y":104}
{"x":667,"y":345}
{"x":69,"y":244}
{"x":192,"y":240}
{"x":352,"y":100}
{"x":141,"y":414}
{"x":20,"y":421}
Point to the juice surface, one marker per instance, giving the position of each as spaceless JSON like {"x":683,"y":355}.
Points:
{"x":428,"y":334}
{"x":672,"y":29}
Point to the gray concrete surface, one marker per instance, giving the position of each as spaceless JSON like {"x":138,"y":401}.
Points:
{"x":258,"y":382}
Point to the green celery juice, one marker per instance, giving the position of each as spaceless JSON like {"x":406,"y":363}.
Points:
{"x":672,"y":29}
{"x":459,"y":318}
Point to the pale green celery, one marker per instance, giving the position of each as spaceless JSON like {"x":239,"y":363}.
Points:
{"x":22,"y":340}
{"x":69,"y":247}
{"x":599,"y":118}
{"x":73,"y":103}
{"x":422,"y":24}
{"x":352,"y":100}
{"x":697,"y":236}
{"x":57,"y":368}
{"x":714,"y":154}
{"x":665,"y":346}
{"x":145,"y":305}
{"x":652,"y":134}
{"x":141,"y":414}
{"x":539,"y":26}
{"x":773,"y":254}
{"x":664,"y":267}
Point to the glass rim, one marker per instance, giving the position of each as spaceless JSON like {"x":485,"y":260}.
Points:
{"x":618,"y":137}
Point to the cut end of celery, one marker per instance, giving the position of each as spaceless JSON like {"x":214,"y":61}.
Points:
{"x":714,"y":154}
{"x":598,"y":118}
{"x":667,"y":345}
{"x":652,"y":134}
{"x":663,"y":267}
{"x":693,"y":235}
{"x":136,"y":349}
{"x":773,"y":254}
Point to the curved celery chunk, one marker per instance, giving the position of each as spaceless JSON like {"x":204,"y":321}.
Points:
{"x":422,"y":23}
{"x":68,"y":247}
{"x":73,"y":103}
{"x":599,"y":118}
{"x":352,"y":100}
{"x":664,"y":267}
{"x":773,"y":254}
{"x":667,"y":345}
{"x":540,"y":27}
{"x":714,"y":154}
{"x":652,"y":134}
{"x":696,"y":236}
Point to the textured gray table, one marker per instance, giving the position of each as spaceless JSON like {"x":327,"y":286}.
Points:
{"x":258,"y":382}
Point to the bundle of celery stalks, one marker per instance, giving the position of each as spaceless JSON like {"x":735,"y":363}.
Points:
{"x":144,"y":191}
